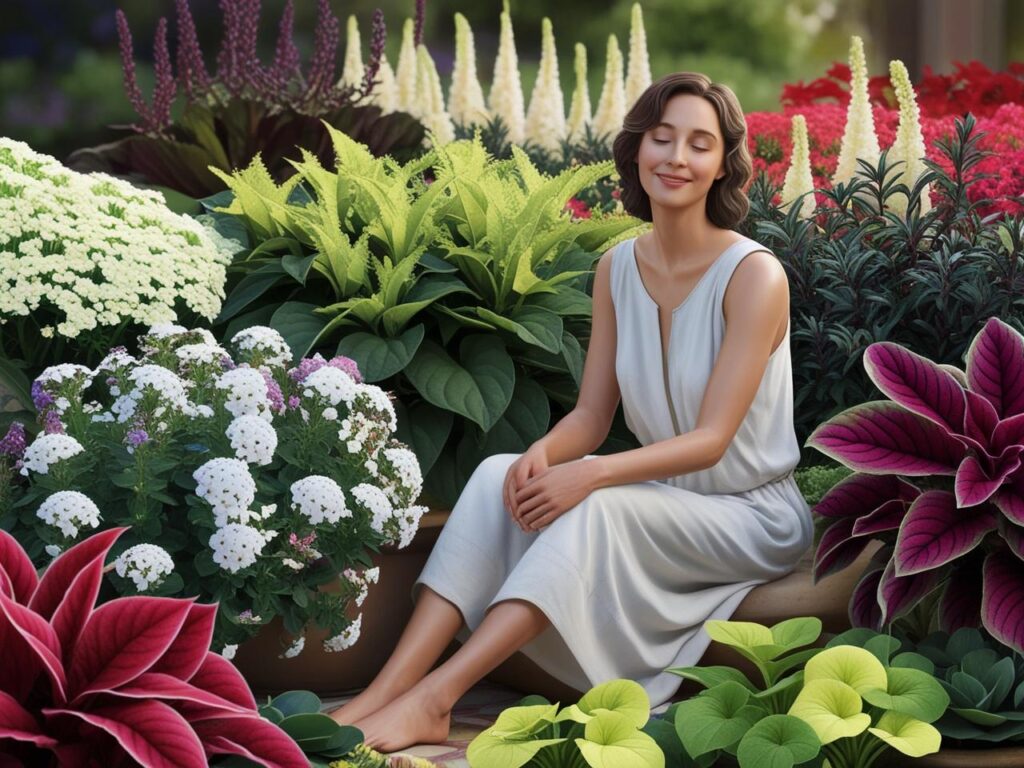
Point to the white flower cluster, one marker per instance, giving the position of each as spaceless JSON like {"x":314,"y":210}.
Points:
{"x":58,"y":374}
{"x":226,"y":485}
{"x":171,"y":389}
{"x":320,"y":499}
{"x":376,"y":502}
{"x":236,"y":546}
{"x":362,"y":580}
{"x":145,"y":564}
{"x":378,"y":400}
{"x":407,"y":470}
{"x":261,"y":345}
{"x":246,"y":393}
{"x":47,"y":450}
{"x":346,"y":638}
{"x":253,"y":439}
{"x":115,"y":360}
{"x":294,"y":649}
{"x":97,"y":251}
{"x":201,"y":354}
{"x":332,"y":384}
{"x":69,"y":511}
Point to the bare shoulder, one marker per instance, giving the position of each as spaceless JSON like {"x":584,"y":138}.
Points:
{"x":759,"y":281}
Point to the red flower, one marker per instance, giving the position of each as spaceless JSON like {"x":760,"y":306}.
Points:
{"x":130,"y":682}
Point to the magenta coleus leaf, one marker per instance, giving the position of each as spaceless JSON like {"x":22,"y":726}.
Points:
{"x":995,"y":367}
{"x":251,"y":737}
{"x":976,"y":482}
{"x":1013,"y":535}
{"x":149,"y":731}
{"x":936,"y":531}
{"x":156,"y":685}
{"x":980,"y":420}
{"x":960,"y":604}
{"x":123,"y":639}
{"x":898,"y":594}
{"x":882,"y":437}
{"x":39,"y":638}
{"x":16,"y":565}
{"x":220,"y":677}
{"x":56,"y":581}
{"x":1010,"y":498}
{"x":864,"y":608}
{"x":75,"y":609}
{"x":837,"y":548}
{"x":188,"y":650}
{"x":1002,"y":601}
{"x":858,"y":494}
{"x":1008,"y":432}
{"x":17,"y":723}
{"x":887,"y":517}
{"x":916,"y":383}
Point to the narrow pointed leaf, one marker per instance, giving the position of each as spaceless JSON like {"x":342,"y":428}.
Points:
{"x":17,"y":723}
{"x":898,"y":594}
{"x":937,"y":531}
{"x":864,"y":608}
{"x":56,"y":581}
{"x":837,"y":548}
{"x":77,"y":606}
{"x":975,"y":483}
{"x":1008,"y":432}
{"x":887,"y":517}
{"x":38,"y":637}
{"x":187,"y":651}
{"x":220,"y":677}
{"x":858,"y":494}
{"x":980,"y":420}
{"x":19,"y":569}
{"x":161,"y":686}
{"x":1010,"y":498}
{"x":995,"y":367}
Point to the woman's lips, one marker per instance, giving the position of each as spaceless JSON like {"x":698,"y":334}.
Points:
{"x":670,"y":182}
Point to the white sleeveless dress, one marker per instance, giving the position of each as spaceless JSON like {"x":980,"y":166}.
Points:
{"x":628,"y":576}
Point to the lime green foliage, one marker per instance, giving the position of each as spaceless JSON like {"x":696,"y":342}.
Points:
{"x":847,"y":704}
{"x":455,"y":280}
{"x":602,"y":729}
{"x":815,"y":482}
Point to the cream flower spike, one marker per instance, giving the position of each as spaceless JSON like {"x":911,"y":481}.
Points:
{"x":798,"y":178}
{"x":406,"y":75}
{"x":506,"y":97}
{"x":859,"y":138}
{"x":385,"y":93}
{"x":466,"y":103}
{"x":908,"y":148}
{"x":611,"y":107}
{"x":579,"y":111}
{"x":352,"y":71}
{"x":545,"y":119}
{"x":435,"y":117}
{"x":638,"y":72}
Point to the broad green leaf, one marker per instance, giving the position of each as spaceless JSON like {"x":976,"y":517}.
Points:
{"x":626,"y":697}
{"x":524,"y":421}
{"x":778,"y":741}
{"x":531,"y":324}
{"x":831,"y":708}
{"x":796,"y":633}
{"x":493,"y":370}
{"x":855,"y":667}
{"x":298,"y":266}
{"x":752,"y":640}
{"x":444,"y":383}
{"x":907,"y":735}
{"x":15,"y":382}
{"x":299,"y":326}
{"x":522,"y":722}
{"x":296,"y":702}
{"x":612,"y":740}
{"x":912,"y":660}
{"x":711,"y":676}
{"x":250,"y":288}
{"x":379,"y":358}
{"x":425,"y":430}
{"x":425,"y":292}
{"x":716,"y":719}
{"x":911,"y":692}
{"x":567,"y":302}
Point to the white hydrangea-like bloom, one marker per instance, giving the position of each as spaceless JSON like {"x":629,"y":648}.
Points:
{"x":332,"y":384}
{"x":611,"y":106}
{"x":95,"y":251}
{"x":171,"y":389}
{"x":545,"y":118}
{"x":69,"y":511}
{"x":380,"y":401}
{"x":908,"y":147}
{"x":226,"y":485}
{"x":407,"y":467}
{"x":405,"y":73}
{"x":798,"y":177}
{"x":247,"y":393}
{"x":859,"y":138}
{"x":579,"y":110}
{"x":58,"y":374}
{"x":165,"y":330}
{"x":466,"y":103}
{"x":638,"y":69}
{"x":236,"y":546}
{"x":47,"y":450}
{"x":319,"y":499}
{"x":506,"y":97}
{"x":265,"y":342}
{"x":376,"y":502}
{"x":346,"y":638}
{"x":352,"y":70}
{"x":294,"y":649}
{"x":385,"y":92}
{"x":435,"y":117}
{"x":147,"y":565}
{"x":115,"y":360}
{"x":253,"y":439}
{"x":408,"y":521}
{"x":201,"y":354}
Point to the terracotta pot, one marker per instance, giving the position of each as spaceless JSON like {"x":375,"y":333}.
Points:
{"x":995,"y":757}
{"x":386,"y":611}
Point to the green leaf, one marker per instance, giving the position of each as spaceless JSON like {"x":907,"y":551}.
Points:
{"x":568,"y":302}
{"x":711,"y":676}
{"x":612,"y":739}
{"x":778,"y":741}
{"x":16,"y":382}
{"x":716,"y":719}
{"x":907,"y":735}
{"x":525,"y":420}
{"x":298,"y":266}
{"x":380,"y":358}
{"x":296,"y":702}
{"x":625,"y":697}
{"x":250,"y":288}
{"x":492,"y":369}
{"x":311,"y":731}
{"x":911,"y":692}
{"x":425,"y":429}
{"x":798,"y":632}
{"x":534,"y":325}
{"x":295,"y":321}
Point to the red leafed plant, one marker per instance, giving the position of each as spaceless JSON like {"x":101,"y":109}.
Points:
{"x":127,"y":683}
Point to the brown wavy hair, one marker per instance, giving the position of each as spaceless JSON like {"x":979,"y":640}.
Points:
{"x":727,"y":203}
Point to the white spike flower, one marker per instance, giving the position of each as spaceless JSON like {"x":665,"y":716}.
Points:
{"x":385,"y":92}
{"x":638,"y":72}
{"x":545,"y":119}
{"x":908,"y":148}
{"x":506,"y":97}
{"x":579,"y":112}
{"x":465,"y":96}
{"x":611,"y":107}
{"x":798,"y":178}
{"x":859,"y":138}
{"x":428,"y":83}
{"x":405,"y":73}
{"x":352,"y":70}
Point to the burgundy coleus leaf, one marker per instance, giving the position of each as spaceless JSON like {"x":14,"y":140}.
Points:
{"x":1002,"y":601}
{"x":221,"y":678}
{"x":837,"y":548}
{"x":188,"y":650}
{"x":916,"y":383}
{"x":156,"y":685}
{"x":123,"y":639}
{"x":977,"y":481}
{"x":1006,"y":433}
{"x":980,"y":420}
{"x":960,"y":604}
{"x":887,"y":517}
{"x":39,"y":639}
{"x":149,"y":731}
{"x":995,"y":367}
{"x":936,"y":531}
{"x":21,"y":576}
{"x":881,"y":437}
{"x":1013,"y":535}
{"x":251,"y":737}
{"x":17,"y":723}
{"x":898,"y":594}
{"x":864,"y":608}
{"x":1010,"y":498}
{"x":56,"y":581}
{"x":859,"y":494}
{"x":77,"y":606}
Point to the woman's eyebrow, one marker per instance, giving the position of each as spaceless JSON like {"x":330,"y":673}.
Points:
{"x":671,"y":127}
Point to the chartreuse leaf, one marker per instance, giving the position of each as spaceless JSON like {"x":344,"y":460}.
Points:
{"x":509,"y":743}
{"x":907,"y":734}
{"x":910,"y":692}
{"x":755,"y":641}
{"x":716,"y":719}
{"x":778,"y":741}
{"x":626,"y":697}
{"x":795,"y":633}
{"x":855,"y":667}
{"x":711,"y":676}
{"x":831,"y":708}
{"x":613,"y":740}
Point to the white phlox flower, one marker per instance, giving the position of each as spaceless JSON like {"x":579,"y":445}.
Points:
{"x":68,"y":511}
{"x":261,"y":345}
{"x":201,"y":354}
{"x":407,"y":470}
{"x":236,"y":546}
{"x":226,"y":485}
{"x":346,"y":638}
{"x":319,"y":499}
{"x":376,"y":502}
{"x":170,"y":388}
{"x":253,"y":439}
{"x":246,"y":393}
{"x":47,"y":450}
{"x":147,"y":565}
{"x":294,"y":649}
{"x":332,"y":384}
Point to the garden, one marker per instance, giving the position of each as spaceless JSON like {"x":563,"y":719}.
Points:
{"x":252,"y":349}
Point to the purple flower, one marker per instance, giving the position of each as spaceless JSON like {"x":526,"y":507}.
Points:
{"x":305,"y":367}
{"x":52,"y":425}
{"x":274,"y":393}
{"x":377,"y":40}
{"x":346,"y":364}
{"x":136,"y":437}
{"x":293,"y":402}
{"x":421,"y":13}
{"x":40,"y":397}
{"x":13,"y":443}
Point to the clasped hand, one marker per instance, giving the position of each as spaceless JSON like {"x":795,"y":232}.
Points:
{"x":542,"y":498}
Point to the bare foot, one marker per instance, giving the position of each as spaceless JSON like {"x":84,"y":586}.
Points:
{"x":415,"y":717}
{"x":367,"y":702}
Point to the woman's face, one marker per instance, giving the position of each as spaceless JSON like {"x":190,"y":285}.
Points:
{"x":681,"y":157}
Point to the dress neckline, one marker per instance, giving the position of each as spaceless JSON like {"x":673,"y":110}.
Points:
{"x":700,"y":280}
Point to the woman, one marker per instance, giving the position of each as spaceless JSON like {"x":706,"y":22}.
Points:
{"x":602,"y":567}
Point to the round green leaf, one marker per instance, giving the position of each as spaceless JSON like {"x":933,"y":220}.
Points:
{"x":856,"y":667}
{"x":716,"y":719}
{"x":778,"y":741}
{"x":299,"y":326}
{"x":444,"y":383}
{"x":612,"y":740}
{"x":831,"y":708}
{"x":907,"y":734}
{"x":296,"y":702}
{"x":911,"y":692}
{"x":625,"y":697}
{"x":795,"y":633}
{"x":379,"y":358}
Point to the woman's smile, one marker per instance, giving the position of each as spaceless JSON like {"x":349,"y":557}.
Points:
{"x":673,"y":182}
